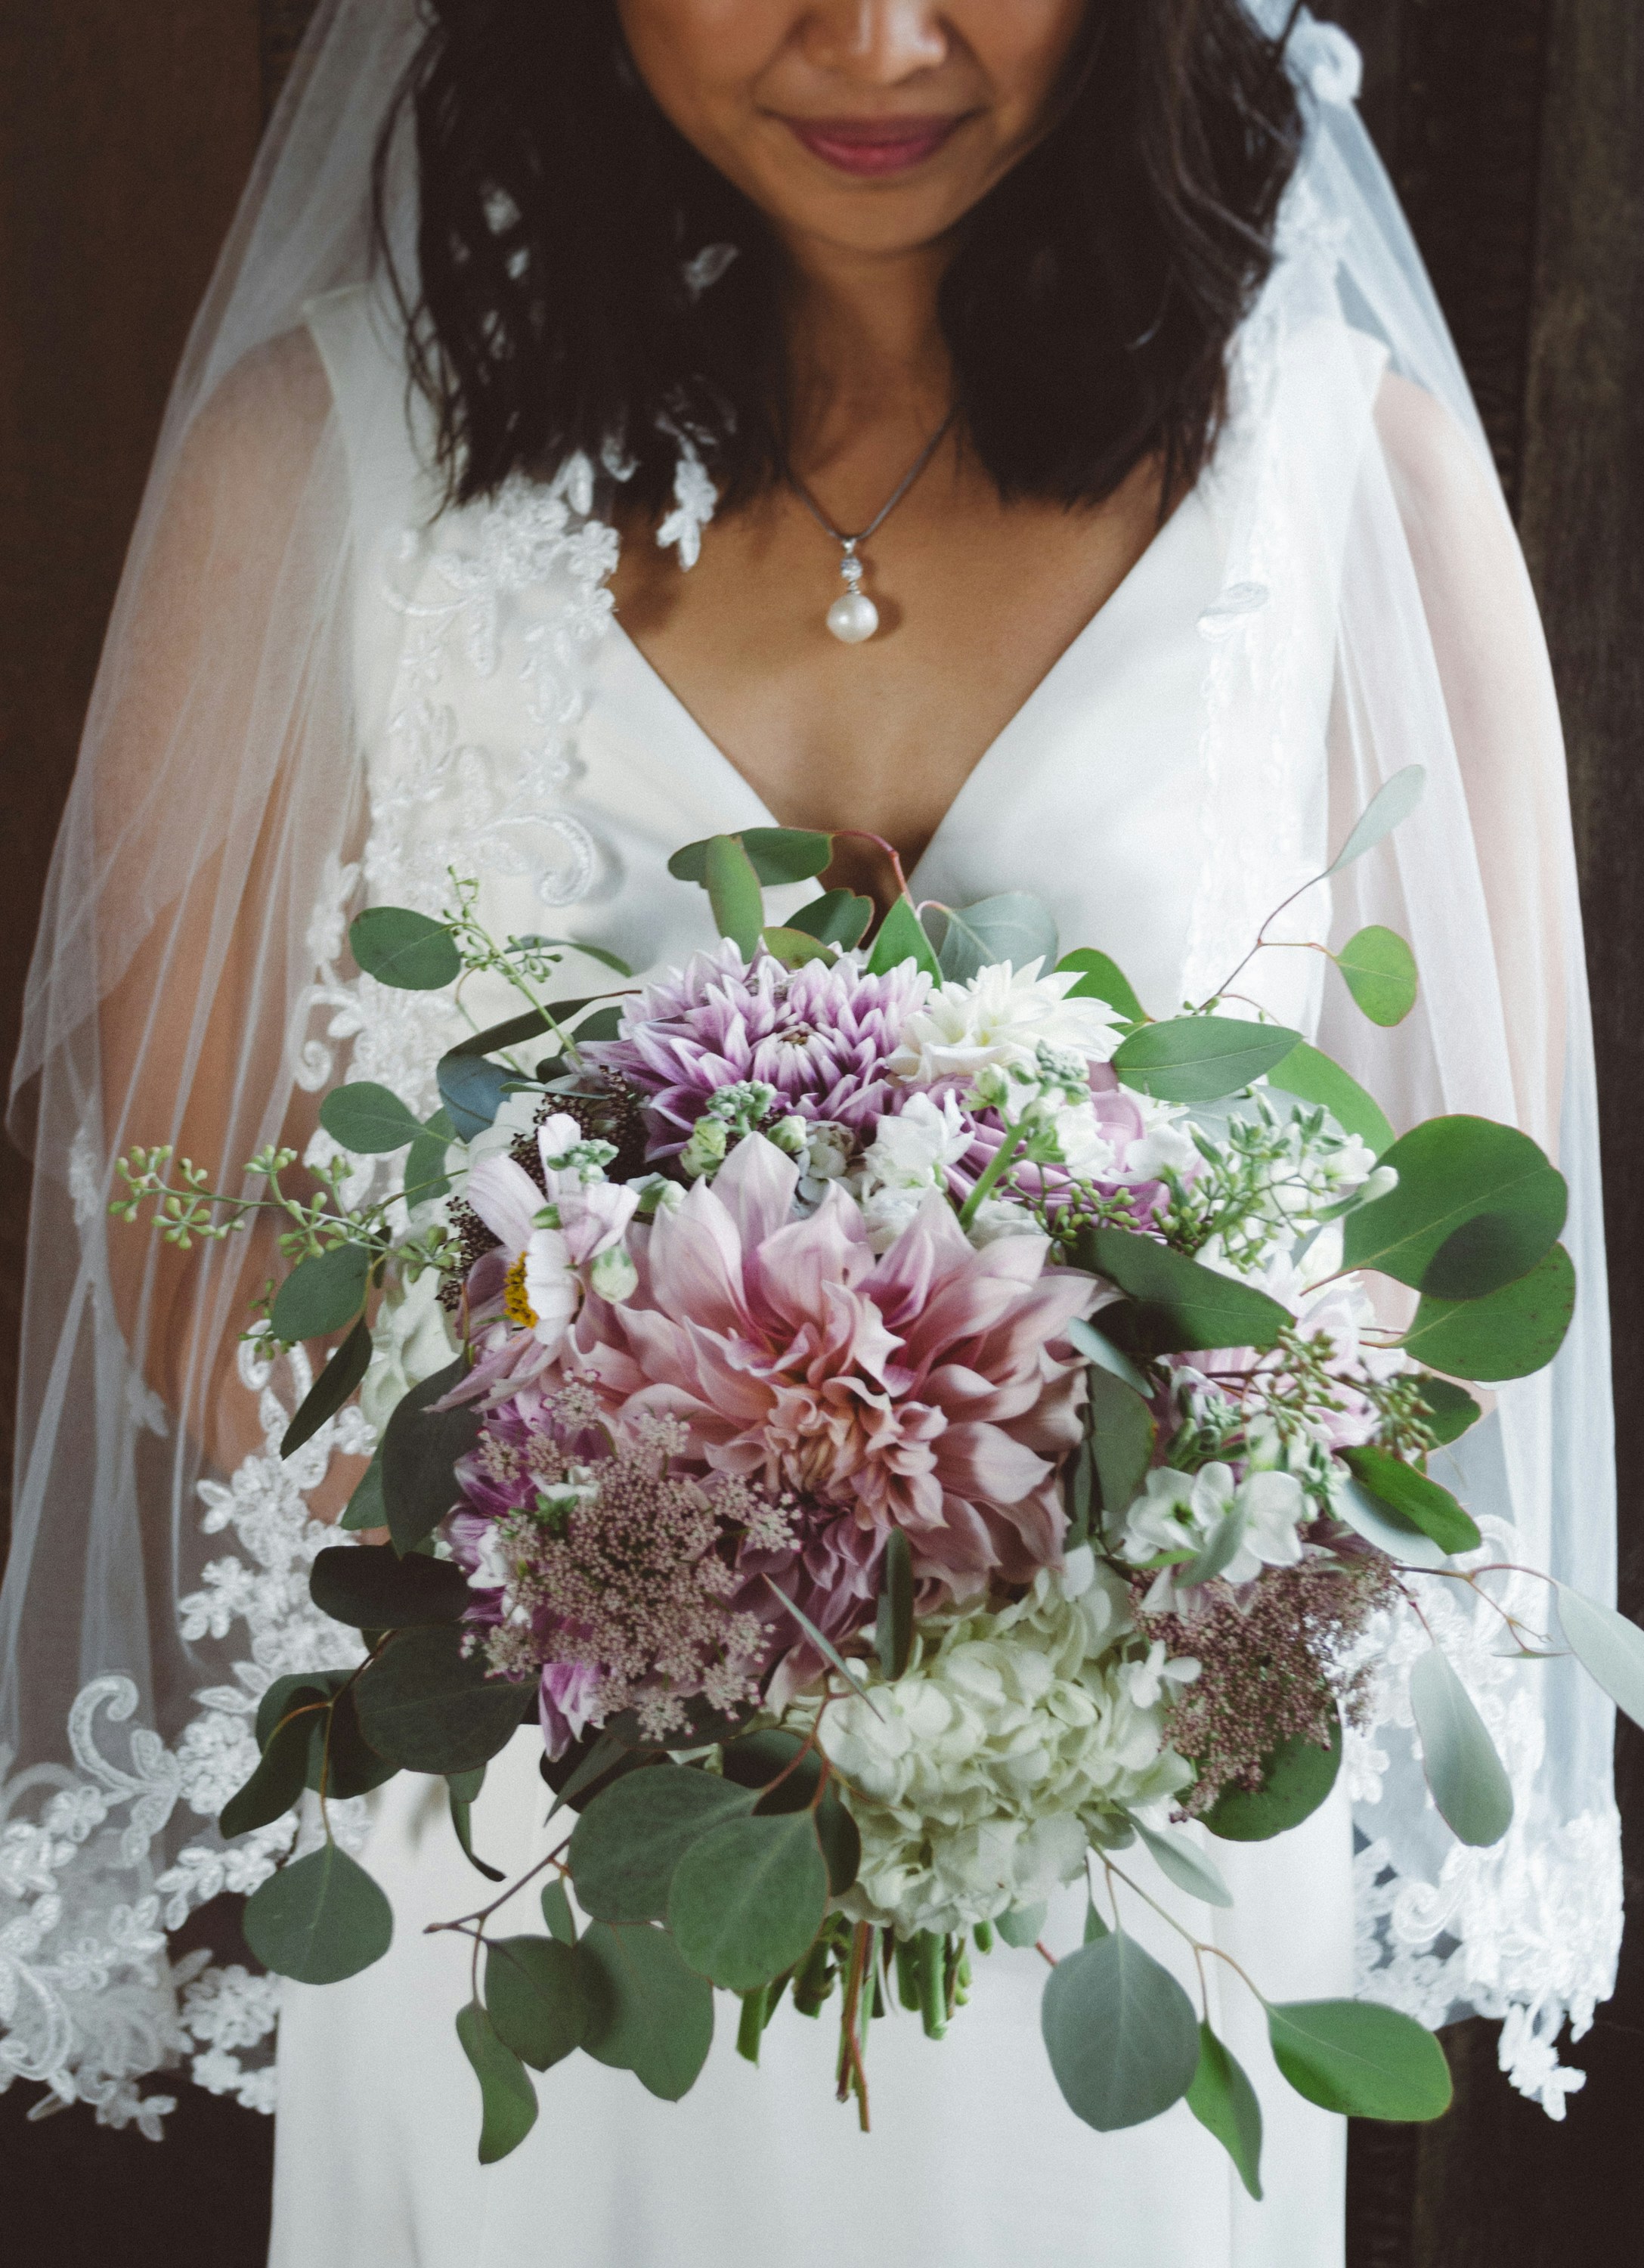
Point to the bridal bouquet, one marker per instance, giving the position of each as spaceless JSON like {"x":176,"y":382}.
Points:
{"x":914,"y":1432}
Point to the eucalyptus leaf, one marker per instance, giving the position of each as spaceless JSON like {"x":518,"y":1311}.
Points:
{"x":631,"y":1837}
{"x":365,"y":1507}
{"x":793,"y":947}
{"x":1201,"y":1058}
{"x":1510,"y":1334}
{"x":1095,"y":1347}
{"x":1120,"y":2032}
{"x":368,"y":1119}
{"x":320,"y":1920}
{"x":1452,"y":1409}
{"x":508,"y":2099}
{"x":607,"y":960}
{"x":1016,"y":927}
{"x":1380,"y":971}
{"x":1466,"y":1776}
{"x":1189,"y":1868}
{"x":757,"y":1760}
{"x":1023,"y":1926}
{"x":573,"y":1776}
{"x":734,"y":894}
{"x":339,"y":1752}
{"x":902,"y":938}
{"x":339,"y":1378}
{"x":427,"y":1706}
{"x":372,"y":1587}
{"x":1452,"y":1171}
{"x":1360,"y":2059}
{"x":1609,"y":1647}
{"x":1410,"y":1494}
{"x":647,"y":2011}
{"x":1388,"y":1530}
{"x":1102,"y":979}
{"x":1224,"y":2103}
{"x":1393,"y":803}
{"x":776,"y":854}
{"x":893,"y":1626}
{"x":1311,"y":1077}
{"x":421,"y":1449}
{"x":556,"y":1910}
{"x":1296,"y":1778}
{"x":405,"y":949}
{"x":282,"y":1772}
{"x":1175,"y":1306}
{"x":462,"y":1790}
{"x":837,"y":917}
{"x":535,"y":1993}
{"x":322,"y":1294}
{"x":297,"y":1690}
{"x":748,"y":1898}
{"x":473,"y":1090}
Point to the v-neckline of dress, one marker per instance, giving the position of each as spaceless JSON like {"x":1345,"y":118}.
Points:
{"x":988,"y":762}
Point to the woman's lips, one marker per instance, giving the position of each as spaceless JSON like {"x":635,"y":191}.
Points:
{"x":873,"y":145}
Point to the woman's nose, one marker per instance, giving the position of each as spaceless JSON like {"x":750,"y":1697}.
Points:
{"x":876,"y":42}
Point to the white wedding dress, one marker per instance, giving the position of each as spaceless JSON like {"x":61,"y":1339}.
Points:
{"x":512,"y":731}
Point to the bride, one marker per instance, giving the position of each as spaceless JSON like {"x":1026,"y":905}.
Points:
{"x":1022,"y":432}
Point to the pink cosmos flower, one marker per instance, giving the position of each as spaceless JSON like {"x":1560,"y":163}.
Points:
{"x":924,"y":1388}
{"x":820,"y":1035}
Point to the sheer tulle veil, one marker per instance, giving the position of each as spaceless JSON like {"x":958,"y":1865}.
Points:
{"x":191,"y":985}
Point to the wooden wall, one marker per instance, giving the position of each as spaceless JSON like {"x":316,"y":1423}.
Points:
{"x":1514,"y":131}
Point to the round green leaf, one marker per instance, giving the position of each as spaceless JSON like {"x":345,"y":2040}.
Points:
{"x":1609,"y":1647}
{"x":747,"y":1899}
{"x":1360,"y":2059}
{"x":1175,"y":1307}
{"x":1023,"y":1926}
{"x":534,"y":1994}
{"x":776,"y":854}
{"x":421,"y":1448}
{"x":647,"y":2011}
{"x":1388,"y":1530}
{"x":1451,"y":1173}
{"x":1295,"y":1779}
{"x":320,"y":1920}
{"x":368,"y":1119}
{"x":1122,"y":1434}
{"x":556,"y":1910}
{"x":837,"y":917}
{"x":902,"y":938}
{"x":283,"y":1772}
{"x":322,"y":1294}
{"x":427,"y":1706}
{"x":1513,"y":1332}
{"x":1103,"y":979}
{"x":1413,"y":1497}
{"x":369,"y":1586}
{"x":1380,"y":973}
{"x":1120,"y":2032}
{"x":365,"y":1507}
{"x":1097,"y":1348}
{"x":793,"y":947}
{"x":1016,"y":927}
{"x":757,"y":1759}
{"x":1451,"y":1408}
{"x":1223,"y":2102}
{"x":1201,"y":1058}
{"x":633,"y":1834}
{"x":509,"y":2100}
{"x":1313,"y":1078}
{"x":405,"y":949}
{"x":339,"y":1752}
{"x":1469,"y":1783}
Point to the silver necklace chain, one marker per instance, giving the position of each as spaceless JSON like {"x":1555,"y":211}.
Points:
{"x":854,"y":617}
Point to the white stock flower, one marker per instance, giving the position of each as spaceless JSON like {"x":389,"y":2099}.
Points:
{"x":998,"y":1021}
{"x":909,"y":1156}
{"x":411,"y":1339}
{"x":1180,"y":1512}
{"x":975,"y":1777}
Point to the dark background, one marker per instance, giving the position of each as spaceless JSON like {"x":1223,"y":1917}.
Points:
{"x":1515,"y":130}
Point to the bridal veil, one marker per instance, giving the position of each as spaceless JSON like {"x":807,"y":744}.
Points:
{"x":186,"y":989}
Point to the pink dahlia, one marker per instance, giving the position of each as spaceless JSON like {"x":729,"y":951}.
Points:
{"x":928,"y":1387}
{"x":820,"y":1035}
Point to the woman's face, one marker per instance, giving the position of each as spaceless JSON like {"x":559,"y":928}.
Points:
{"x":874,"y":125}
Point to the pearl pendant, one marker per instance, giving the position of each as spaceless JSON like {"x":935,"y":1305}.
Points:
{"x":854,"y":618}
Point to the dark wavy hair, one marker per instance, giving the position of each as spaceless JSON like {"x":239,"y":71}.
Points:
{"x":562,"y":300}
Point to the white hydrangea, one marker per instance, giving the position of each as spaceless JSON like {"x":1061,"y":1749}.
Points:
{"x":976,"y":1776}
{"x":998,"y":1020}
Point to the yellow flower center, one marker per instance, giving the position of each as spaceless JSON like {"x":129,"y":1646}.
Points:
{"x":516,"y":1306}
